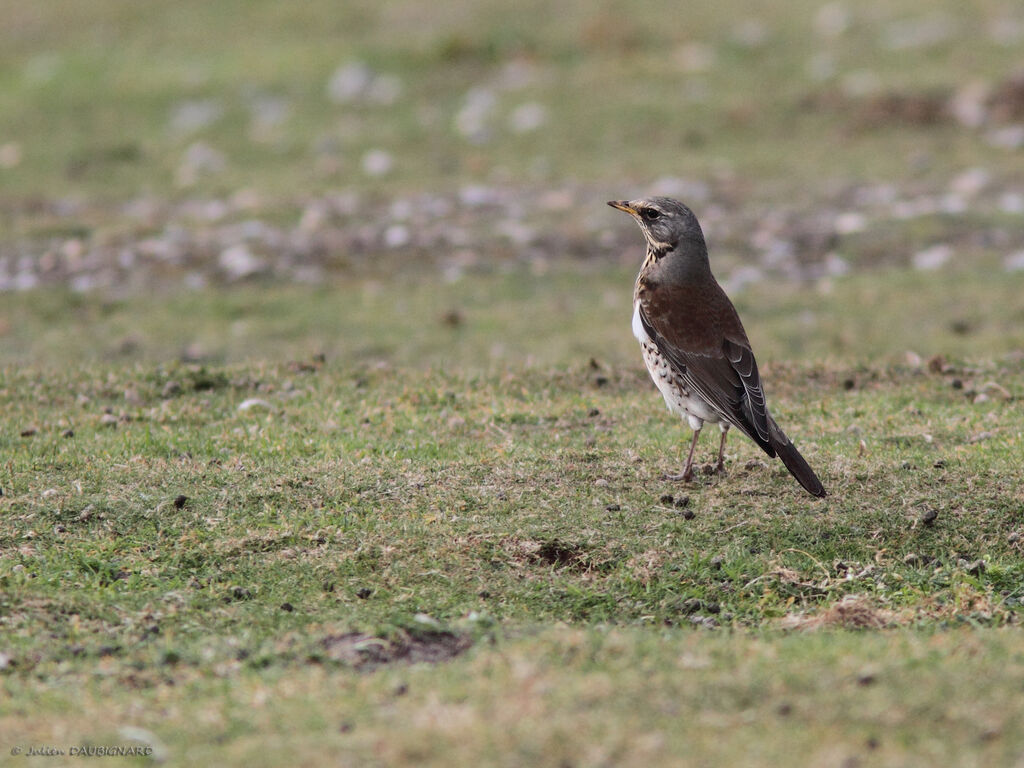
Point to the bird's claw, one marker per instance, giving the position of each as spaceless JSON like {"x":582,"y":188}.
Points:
{"x":685,"y":476}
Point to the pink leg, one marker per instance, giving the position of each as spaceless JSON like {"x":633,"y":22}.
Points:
{"x":720,"y":467}
{"x":687,"y":473}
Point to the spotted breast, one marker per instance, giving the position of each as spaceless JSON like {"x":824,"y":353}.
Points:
{"x":677,"y":397}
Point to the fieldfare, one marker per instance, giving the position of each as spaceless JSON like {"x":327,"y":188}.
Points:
{"x":693,"y":341}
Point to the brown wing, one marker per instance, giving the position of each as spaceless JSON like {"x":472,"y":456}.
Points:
{"x":700,"y":333}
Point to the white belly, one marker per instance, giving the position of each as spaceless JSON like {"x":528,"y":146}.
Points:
{"x":672,"y":388}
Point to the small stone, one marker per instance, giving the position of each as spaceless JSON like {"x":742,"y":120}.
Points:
{"x":694,"y":57}
{"x":1013,"y":202}
{"x":929,"y":516}
{"x":193,"y":353}
{"x":10,"y":155}
{"x":918,"y":32}
{"x":850,"y":222}
{"x":384,"y":90}
{"x":528,"y":117}
{"x":237,"y":262}
{"x":349,"y":82}
{"x":1008,"y":137}
{"x":194,"y":115}
{"x":199,"y":159}
{"x":612,"y":508}
{"x":976,"y":568}
{"x":254,"y":402}
{"x":397,"y":236}
{"x":267,"y":112}
{"x":968,"y":104}
{"x":363,"y":592}
{"x":473,"y":118}
{"x":377,"y":162}
{"x":750,"y":32}
{"x":287,"y":607}
{"x":688,"y":606}
{"x":933,"y":257}
{"x":703,"y":621}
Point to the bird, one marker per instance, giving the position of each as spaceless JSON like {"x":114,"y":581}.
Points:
{"x":693,"y":342}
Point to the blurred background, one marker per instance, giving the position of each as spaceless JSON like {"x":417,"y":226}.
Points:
{"x":413,"y":183}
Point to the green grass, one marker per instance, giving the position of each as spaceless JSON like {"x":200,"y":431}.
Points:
{"x":88,"y":92}
{"x":400,"y":519}
{"x":489,"y":322}
{"x":167,"y":550}
{"x":585,"y":697}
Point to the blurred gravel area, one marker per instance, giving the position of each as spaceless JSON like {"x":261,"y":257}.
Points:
{"x":147,"y":243}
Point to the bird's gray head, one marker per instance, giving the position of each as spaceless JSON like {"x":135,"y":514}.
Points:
{"x":665,"y":222}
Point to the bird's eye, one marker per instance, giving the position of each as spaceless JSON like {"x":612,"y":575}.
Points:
{"x":650,"y":214}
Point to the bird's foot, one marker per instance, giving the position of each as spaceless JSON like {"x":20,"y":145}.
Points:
{"x":719,"y":468}
{"x":685,"y":476}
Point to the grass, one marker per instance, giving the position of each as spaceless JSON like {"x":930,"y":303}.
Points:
{"x":89,"y":94}
{"x":622,"y":696}
{"x":202,"y":540}
{"x":415,"y":517}
{"x":489,"y":322}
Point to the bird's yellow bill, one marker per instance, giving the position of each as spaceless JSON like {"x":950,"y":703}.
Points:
{"x":622,"y":205}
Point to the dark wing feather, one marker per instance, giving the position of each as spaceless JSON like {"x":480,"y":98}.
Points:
{"x":754,"y":407}
{"x":719,"y":369}
{"x":697,"y":329}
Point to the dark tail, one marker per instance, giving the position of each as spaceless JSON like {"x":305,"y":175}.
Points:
{"x":799,"y":468}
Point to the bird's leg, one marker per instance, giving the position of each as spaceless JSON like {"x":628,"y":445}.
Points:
{"x":687,"y":474}
{"x":720,"y":467}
